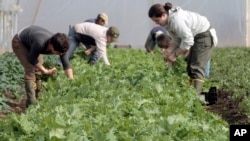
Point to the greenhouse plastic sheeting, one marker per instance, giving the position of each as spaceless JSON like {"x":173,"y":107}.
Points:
{"x":228,"y":17}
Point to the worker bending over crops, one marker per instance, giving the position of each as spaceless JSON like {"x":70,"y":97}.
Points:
{"x":189,"y":31}
{"x":29,"y":44}
{"x":91,"y":34}
{"x":101,"y":19}
{"x":150,"y":43}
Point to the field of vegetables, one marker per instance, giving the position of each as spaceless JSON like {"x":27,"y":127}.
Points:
{"x":137,"y":98}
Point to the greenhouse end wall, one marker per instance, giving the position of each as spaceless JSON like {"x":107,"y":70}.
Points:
{"x":230,"y":18}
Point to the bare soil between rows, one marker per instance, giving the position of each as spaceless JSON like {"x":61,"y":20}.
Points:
{"x":225,"y":107}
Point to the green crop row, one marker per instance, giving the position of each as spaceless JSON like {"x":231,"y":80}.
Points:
{"x":137,"y":98}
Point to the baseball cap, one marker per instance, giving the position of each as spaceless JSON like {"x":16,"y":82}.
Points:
{"x":103,"y":16}
{"x":114,"y":33}
{"x":158,"y":33}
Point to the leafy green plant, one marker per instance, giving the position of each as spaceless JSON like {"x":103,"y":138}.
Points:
{"x":136,"y":98}
{"x":10,"y":74}
{"x":230,"y":70}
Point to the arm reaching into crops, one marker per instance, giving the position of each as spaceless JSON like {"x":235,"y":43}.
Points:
{"x":89,"y":51}
{"x":51,"y":71}
{"x":69,"y":73}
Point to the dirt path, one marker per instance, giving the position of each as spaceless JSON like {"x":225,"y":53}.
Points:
{"x":229,"y":110}
{"x":14,"y":105}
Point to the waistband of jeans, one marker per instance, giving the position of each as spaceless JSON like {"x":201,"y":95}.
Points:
{"x":204,"y":31}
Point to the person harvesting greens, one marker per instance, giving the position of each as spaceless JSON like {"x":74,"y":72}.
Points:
{"x":189,"y":31}
{"x":29,"y":44}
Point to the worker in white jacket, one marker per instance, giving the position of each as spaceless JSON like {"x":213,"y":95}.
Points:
{"x":91,"y":34}
{"x":189,"y":31}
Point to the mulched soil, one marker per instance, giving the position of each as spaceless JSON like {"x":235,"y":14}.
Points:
{"x":229,"y":109}
{"x":15,"y":105}
{"x":225,"y":107}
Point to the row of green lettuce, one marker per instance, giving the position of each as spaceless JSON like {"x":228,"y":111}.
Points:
{"x":137,"y":98}
{"x":231,"y":70}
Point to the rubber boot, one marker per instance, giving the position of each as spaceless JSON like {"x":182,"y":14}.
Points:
{"x":198,"y":84}
{"x":38,"y":85}
{"x":31,"y":93}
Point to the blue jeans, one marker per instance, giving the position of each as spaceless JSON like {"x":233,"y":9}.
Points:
{"x":207,"y":68}
{"x":74,"y":43}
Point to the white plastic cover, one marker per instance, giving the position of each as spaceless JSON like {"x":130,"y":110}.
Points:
{"x":230,"y":18}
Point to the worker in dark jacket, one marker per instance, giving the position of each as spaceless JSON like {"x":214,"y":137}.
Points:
{"x":29,"y":44}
